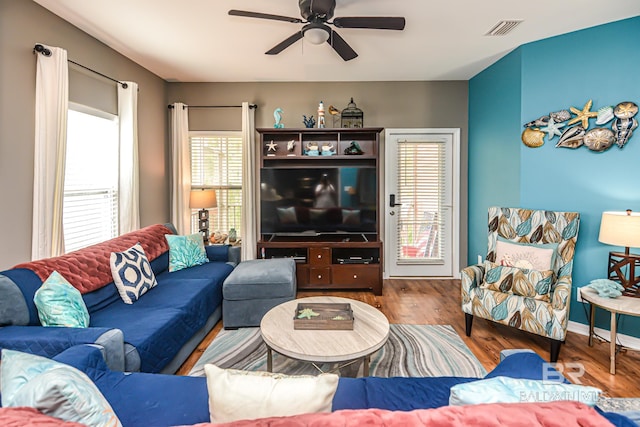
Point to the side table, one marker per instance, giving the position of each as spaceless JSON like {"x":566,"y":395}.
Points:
{"x":620,"y":305}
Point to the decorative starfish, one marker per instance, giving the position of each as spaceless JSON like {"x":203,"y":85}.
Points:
{"x":272,"y":146}
{"x":552,"y":129}
{"x":583,"y":115}
{"x":308,"y":313}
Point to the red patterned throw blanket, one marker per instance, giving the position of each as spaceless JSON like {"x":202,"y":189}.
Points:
{"x":27,"y":417}
{"x":88,"y":269}
{"x":551,"y":414}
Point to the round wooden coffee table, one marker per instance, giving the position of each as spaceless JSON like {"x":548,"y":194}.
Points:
{"x":370,"y":332}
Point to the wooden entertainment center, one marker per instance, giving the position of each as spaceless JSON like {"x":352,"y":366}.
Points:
{"x":325,"y":259}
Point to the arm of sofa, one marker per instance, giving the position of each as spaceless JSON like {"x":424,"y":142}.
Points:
{"x":142,"y":399}
{"x":48,"y":341}
{"x":234,"y":254}
{"x":526,"y":365}
{"x":83,"y":357}
{"x":224,"y":253}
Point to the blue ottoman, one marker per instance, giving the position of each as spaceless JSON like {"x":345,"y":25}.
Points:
{"x":255,"y":287}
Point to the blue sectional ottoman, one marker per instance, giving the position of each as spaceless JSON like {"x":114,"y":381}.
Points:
{"x":255,"y":287}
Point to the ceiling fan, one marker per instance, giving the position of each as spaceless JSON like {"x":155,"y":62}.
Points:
{"x":316,"y":15}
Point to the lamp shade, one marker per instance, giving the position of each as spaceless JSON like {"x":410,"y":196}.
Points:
{"x":202,"y":199}
{"x":620,"y":229}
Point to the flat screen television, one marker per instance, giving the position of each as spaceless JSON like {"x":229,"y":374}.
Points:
{"x":318,"y":200}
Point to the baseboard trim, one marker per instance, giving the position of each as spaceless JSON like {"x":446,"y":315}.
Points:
{"x":625,"y":340}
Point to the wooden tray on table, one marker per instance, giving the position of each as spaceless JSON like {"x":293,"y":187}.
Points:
{"x":327,"y":316}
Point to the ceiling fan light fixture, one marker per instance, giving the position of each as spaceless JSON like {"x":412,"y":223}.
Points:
{"x":317,"y":15}
{"x":316,"y":35}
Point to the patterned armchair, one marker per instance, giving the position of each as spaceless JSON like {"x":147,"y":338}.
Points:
{"x":525,"y":298}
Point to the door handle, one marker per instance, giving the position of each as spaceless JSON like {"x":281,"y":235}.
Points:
{"x":392,"y":201}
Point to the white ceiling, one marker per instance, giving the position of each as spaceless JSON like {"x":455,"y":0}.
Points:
{"x":197,"y":41}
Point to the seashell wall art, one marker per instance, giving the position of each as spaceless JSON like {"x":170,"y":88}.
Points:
{"x":615,"y":126}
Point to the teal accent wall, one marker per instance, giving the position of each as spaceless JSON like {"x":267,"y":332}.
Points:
{"x":494,"y":160}
{"x":600,"y":63}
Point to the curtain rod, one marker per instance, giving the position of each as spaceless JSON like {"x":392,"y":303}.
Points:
{"x":251,"y":106}
{"x":47,"y":52}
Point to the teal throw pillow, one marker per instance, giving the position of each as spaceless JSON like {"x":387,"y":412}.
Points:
{"x":60,"y":304}
{"x":53,"y":388}
{"x":132,"y":273}
{"x":186,"y":251}
{"x":516,"y":390}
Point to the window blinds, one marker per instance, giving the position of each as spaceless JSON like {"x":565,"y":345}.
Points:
{"x":90,"y":206}
{"x":216,"y":162}
{"x":421,"y":190}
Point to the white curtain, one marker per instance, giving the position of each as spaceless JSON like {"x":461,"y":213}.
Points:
{"x":129,"y":190}
{"x":181,"y":168}
{"x":52,"y":103}
{"x":249,"y":187}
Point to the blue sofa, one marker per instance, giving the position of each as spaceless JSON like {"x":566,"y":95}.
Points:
{"x":141,"y":399}
{"x":155,"y":334}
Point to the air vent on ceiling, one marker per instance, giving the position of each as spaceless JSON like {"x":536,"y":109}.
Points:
{"x":503,"y":27}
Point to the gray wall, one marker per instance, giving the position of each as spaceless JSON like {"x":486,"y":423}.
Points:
{"x":22,"y":25}
{"x":385,"y":104}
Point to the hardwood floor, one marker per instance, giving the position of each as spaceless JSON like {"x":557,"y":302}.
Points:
{"x":438,"y":302}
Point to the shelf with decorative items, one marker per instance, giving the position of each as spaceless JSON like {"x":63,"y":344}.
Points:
{"x":311,"y":144}
{"x":319,"y":204}
{"x":352,"y":117}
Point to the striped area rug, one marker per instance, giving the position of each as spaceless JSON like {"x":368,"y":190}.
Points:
{"x":411,"y":351}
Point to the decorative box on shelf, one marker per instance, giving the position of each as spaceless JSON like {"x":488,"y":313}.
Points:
{"x":318,"y":316}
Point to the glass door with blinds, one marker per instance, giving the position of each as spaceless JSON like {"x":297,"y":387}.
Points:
{"x":421,"y":202}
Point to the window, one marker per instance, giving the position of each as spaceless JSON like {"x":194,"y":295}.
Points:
{"x":216,"y":163}
{"x":90,"y":205}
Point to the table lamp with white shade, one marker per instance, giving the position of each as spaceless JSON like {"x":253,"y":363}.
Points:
{"x":203,"y":199}
{"x":623,"y":229}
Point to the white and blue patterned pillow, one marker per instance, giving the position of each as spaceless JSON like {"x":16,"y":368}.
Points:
{"x":518,"y":390}
{"x":132,"y":273}
{"x":53,"y":388}
{"x":186,"y":251}
{"x":60,"y":304}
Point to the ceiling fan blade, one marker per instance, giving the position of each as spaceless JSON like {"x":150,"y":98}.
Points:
{"x":284,"y":44}
{"x":373,"y":22}
{"x":247,"y":14}
{"x":341,"y":46}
